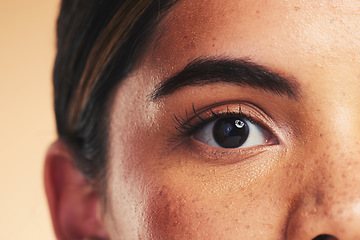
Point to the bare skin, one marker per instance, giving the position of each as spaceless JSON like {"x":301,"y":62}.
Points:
{"x":304,"y":184}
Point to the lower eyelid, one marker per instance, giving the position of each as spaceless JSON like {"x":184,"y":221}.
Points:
{"x":225,"y":156}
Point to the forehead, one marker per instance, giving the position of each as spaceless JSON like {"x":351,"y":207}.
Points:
{"x":270,"y":32}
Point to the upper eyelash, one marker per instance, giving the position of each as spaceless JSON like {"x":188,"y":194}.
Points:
{"x":185,"y":128}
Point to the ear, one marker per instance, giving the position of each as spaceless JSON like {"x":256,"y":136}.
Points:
{"x":74,"y":204}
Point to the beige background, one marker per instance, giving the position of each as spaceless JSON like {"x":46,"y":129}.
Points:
{"x":27,"y":48}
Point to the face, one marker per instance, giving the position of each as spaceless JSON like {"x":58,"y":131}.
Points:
{"x":258,"y":138}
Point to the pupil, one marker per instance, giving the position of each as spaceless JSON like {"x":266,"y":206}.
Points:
{"x":230,"y":132}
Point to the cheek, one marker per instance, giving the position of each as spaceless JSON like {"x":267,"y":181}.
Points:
{"x":175,"y":214}
{"x":152,"y":202}
{"x":178,"y":212}
{"x":157,"y":204}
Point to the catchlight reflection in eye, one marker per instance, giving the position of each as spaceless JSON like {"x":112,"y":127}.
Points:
{"x":232,"y":132}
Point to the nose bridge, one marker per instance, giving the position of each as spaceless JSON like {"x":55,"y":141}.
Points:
{"x":329,"y":202}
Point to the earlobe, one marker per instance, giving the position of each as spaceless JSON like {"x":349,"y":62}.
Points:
{"x":74,"y":203}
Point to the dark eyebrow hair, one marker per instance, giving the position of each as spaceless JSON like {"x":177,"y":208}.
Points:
{"x":240,"y":72}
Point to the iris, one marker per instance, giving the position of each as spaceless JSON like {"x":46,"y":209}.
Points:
{"x":230,"y":132}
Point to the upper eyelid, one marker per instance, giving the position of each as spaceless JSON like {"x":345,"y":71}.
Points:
{"x":187,"y":128}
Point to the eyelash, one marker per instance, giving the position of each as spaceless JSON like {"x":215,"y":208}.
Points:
{"x":184,"y":127}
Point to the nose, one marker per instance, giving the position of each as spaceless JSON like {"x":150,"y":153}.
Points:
{"x":328,"y":205}
{"x":312,"y":222}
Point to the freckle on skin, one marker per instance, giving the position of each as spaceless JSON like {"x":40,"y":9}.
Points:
{"x":296,"y":8}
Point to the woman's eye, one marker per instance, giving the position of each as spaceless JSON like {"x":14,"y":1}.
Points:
{"x":233,"y":132}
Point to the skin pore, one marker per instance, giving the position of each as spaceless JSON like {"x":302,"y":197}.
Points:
{"x":298,"y":182}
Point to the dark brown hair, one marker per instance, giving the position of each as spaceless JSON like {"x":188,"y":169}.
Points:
{"x":97,"y":44}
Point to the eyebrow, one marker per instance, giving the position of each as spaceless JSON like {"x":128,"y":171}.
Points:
{"x":240,"y":72}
